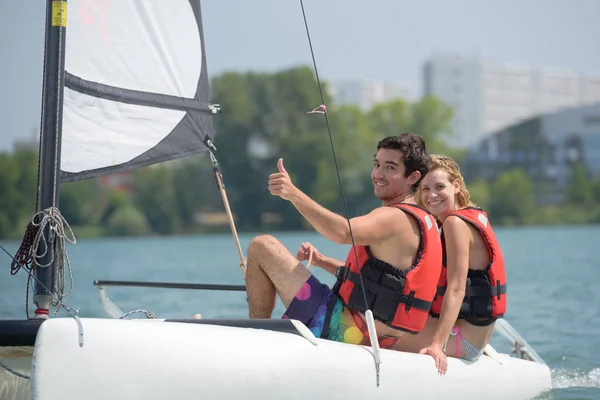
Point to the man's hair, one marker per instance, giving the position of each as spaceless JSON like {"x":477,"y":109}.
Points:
{"x":414,"y":153}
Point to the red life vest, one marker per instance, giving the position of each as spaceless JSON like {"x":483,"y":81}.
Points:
{"x":485,"y":294}
{"x":399,"y":299}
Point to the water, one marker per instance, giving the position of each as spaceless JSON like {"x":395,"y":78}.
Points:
{"x":553,"y":290}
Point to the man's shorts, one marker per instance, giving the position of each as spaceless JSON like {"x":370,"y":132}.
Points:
{"x":311,"y":305}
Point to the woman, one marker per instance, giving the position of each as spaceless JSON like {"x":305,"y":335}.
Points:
{"x":471,"y":291}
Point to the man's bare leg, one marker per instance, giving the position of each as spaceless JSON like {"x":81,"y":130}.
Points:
{"x":271,"y":269}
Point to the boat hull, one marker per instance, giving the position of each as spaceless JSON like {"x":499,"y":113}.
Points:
{"x":157,"y":359}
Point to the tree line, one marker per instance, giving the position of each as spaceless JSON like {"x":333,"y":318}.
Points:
{"x":264,"y":118}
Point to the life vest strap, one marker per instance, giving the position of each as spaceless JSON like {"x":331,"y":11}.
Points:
{"x":328,"y":314}
{"x":343,"y":273}
{"x":478,"y":291}
{"x":484,"y":322}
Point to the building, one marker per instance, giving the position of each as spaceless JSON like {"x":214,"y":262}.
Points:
{"x":366,"y":93}
{"x":545,"y":147}
{"x":487,"y":96}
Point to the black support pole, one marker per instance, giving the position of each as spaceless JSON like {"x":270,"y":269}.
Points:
{"x":51,"y":132}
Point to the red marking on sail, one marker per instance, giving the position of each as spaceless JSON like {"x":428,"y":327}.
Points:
{"x":88,"y":18}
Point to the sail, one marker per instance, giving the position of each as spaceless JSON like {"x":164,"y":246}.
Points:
{"x":136,"y":85}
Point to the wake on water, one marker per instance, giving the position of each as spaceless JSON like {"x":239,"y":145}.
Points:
{"x":572,"y":384}
{"x":562,"y":378}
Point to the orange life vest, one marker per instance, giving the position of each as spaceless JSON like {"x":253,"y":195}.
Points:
{"x":399,"y":299}
{"x":485,"y":294}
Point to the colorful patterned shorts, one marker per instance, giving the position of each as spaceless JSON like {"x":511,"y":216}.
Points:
{"x":310,"y":307}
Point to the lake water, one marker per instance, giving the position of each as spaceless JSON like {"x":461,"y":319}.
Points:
{"x":554,"y":290}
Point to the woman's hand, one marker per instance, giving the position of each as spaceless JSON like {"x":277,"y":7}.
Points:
{"x":437,"y":352}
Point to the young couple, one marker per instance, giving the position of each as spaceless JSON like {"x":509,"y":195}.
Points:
{"x":427,"y":259}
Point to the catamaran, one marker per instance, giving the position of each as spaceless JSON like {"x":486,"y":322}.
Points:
{"x":125,"y":86}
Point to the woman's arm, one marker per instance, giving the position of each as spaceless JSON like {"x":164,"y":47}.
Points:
{"x":457,"y":238}
{"x":456,"y":234}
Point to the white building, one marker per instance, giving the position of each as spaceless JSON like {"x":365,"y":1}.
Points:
{"x":487,"y":97}
{"x":366,"y":93}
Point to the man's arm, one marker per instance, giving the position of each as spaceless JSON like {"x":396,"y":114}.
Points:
{"x":368,"y":229}
{"x":329,"y":264}
{"x":329,"y":224}
{"x":376,"y":226}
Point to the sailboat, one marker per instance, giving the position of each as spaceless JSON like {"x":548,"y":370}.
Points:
{"x":125,"y":86}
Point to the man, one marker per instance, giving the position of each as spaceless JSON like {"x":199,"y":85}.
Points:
{"x":396,"y":258}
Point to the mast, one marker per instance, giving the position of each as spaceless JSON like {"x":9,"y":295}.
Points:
{"x":50,"y":139}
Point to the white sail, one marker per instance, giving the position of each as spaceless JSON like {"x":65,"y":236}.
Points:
{"x":136,"y":85}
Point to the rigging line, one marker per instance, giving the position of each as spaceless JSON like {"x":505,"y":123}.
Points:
{"x":58,"y":300}
{"x":333,"y":151}
{"x":368,"y":313}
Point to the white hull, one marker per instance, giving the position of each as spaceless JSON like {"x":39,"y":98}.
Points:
{"x":157,"y":359}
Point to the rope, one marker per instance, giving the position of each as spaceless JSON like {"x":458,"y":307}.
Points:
{"x":221,"y":185}
{"x":322,"y":109}
{"x":70,"y":310}
{"x":56,"y":223}
{"x":30,"y":253}
{"x":149,"y":314}
{"x":310,"y":255}
{"x":12,"y":371}
{"x":24,"y":256}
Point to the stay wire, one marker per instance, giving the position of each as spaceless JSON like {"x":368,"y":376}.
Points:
{"x":337,"y":170}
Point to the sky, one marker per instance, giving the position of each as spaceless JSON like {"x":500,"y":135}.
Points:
{"x":376,"y":39}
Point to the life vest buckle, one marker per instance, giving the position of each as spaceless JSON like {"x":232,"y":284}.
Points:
{"x":342,"y":273}
{"x":411,"y":296}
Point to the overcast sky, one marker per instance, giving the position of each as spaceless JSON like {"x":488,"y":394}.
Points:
{"x":380,"y":39}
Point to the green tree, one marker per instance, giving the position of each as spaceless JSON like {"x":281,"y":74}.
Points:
{"x":155,"y":197}
{"x":480,"y":192}
{"x":126,"y":220}
{"x":390,"y":118}
{"x":354,"y":145}
{"x":237,"y":129}
{"x":596,"y":189}
{"x":196,"y":188}
{"x":580,"y":189}
{"x":18,"y":178}
{"x":10,"y":206}
{"x":82,"y":202}
{"x":25,"y":159}
{"x":512,"y":197}
{"x":265,"y":118}
{"x":430,"y":118}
